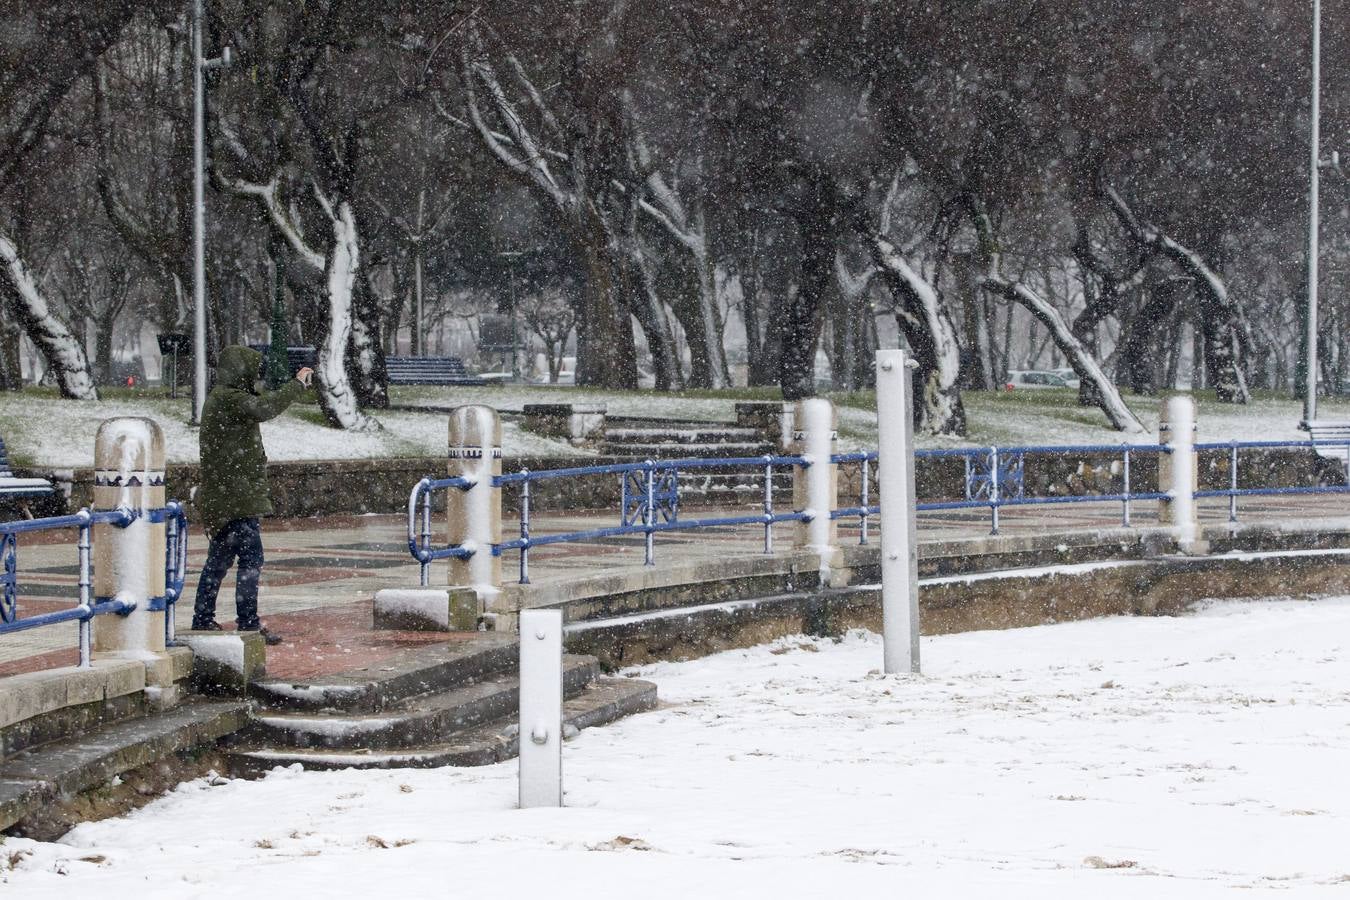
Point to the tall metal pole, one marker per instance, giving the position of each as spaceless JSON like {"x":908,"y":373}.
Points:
{"x":198,"y":221}
{"x":1314,"y":164}
{"x":420,"y":349}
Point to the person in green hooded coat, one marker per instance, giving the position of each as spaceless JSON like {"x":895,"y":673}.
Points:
{"x":233,"y":495}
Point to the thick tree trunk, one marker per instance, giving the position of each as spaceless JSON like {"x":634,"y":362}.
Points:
{"x":1223,"y":321}
{"x":606,"y":354}
{"x":647,"y":309}
{"x":337,"y":398}
{"x":65,"y":358}
{"x":366,"y":361}
{"x":931,"y":334}
{"x":801,"y":318}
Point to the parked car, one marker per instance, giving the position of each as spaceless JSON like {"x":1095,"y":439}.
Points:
{"x":1069,"y":375}
{"x":1018,"y":380}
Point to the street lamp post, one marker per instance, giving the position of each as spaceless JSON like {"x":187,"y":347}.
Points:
{"x":199,"y":67}
{"x":1314,"y":164}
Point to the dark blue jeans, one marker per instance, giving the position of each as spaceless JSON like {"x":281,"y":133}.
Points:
{"x":239,"y":540}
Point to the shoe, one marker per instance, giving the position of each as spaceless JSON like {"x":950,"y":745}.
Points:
{"x":212,"y":625}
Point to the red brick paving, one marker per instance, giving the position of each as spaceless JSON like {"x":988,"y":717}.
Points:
{"x":334,"y":639}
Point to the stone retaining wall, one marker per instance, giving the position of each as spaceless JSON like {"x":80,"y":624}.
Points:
{"x":354,"y":487}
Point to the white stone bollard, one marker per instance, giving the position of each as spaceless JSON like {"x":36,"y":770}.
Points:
{"x":896,"y":497}
{"x":475,"y":515}
{"x":815,"y":487}
{"x":129,"y":562}
{"x":1178,"y":472}
{"x":541,"y":699}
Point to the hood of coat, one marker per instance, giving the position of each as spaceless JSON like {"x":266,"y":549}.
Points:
{"x":237,"y":367}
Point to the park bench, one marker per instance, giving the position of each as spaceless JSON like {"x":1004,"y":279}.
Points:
{"x":1331,"y":439}
{"x":14,"y":488}
{"x":401,"y":369}
{"x":429,"y":370}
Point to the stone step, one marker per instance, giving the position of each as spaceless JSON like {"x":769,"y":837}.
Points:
{"x":694,"y":435}
{"x":43,"y":776}
{"x":425,"y":719}
{"x":420,"y":670}
{"x":603,"y":701}
{"x":670,"y":450}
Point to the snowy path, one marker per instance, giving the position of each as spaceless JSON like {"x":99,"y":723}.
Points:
{"x":1170,"y":757}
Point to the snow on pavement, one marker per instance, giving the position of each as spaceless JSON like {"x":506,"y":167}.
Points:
{"x":1126,"y":757}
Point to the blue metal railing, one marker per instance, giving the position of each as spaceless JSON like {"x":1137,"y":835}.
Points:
{"x":648,"y":490}
{"x":1233,"y":492}
{"x":175,"y":568}
{"x":994,"y":478}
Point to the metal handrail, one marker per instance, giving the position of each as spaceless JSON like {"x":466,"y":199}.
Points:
{"x":994,"y":480}
{"x":175,"y":570}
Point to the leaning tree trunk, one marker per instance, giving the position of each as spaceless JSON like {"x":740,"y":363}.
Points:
{"x":337,"y":398}
{"x":1117,"y":413}
{"x":931,"y":334}
{"x":65,"y":358}
{"x":647,"y":309}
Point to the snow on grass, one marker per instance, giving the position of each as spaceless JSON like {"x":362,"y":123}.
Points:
{"x":46,"y":432}
{"x":1128,"y":757}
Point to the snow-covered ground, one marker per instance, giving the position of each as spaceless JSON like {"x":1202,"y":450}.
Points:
{"x":60,"y":433}
{"x":1131,"y":757}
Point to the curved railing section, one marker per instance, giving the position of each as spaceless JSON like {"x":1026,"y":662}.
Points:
{"x":89,"y":606}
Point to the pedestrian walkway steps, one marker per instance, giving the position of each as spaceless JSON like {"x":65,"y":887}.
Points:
{"x":43,"y":775}
{"x":603,"y":701}
{"x":421,"y":670}
{"x":679,"y":439}
{"x":433,"y":705}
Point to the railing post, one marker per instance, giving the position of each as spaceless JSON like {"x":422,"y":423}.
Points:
{"x":650,"y":517}
{"x":1177,"y":470}
{"x":474,"y":515}
{"x":993,"y":488}
{"x":862,"y":493}
{"x":541,"y":699}
{"x":896,"y":497}
{"x":86,"y":587}
{"x":768,"y":501}
{"x":1125,"y":504}
{"x":129,"y":561}
{"x":425,"y":567}
{"x":815,"y":487}
{"x":525,"y":527}
{"x":1232,"y":483}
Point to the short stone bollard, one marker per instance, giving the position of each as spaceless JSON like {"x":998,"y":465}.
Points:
{"x":129,"y":562}
{"x":815,"y":487}
{"x":1178,"y":474}
{"x":474,"y":516}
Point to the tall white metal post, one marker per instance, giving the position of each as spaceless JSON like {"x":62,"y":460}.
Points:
{"x":198,"y":220}
{"x":541,"y":698}
{"x":1314,"y":164}
{"x":895,"y":493}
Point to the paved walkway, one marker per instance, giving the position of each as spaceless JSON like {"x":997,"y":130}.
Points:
{"x":321,"y":574}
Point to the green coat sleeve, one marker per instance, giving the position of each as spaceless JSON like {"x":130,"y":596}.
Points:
{"x":271,"y":404}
